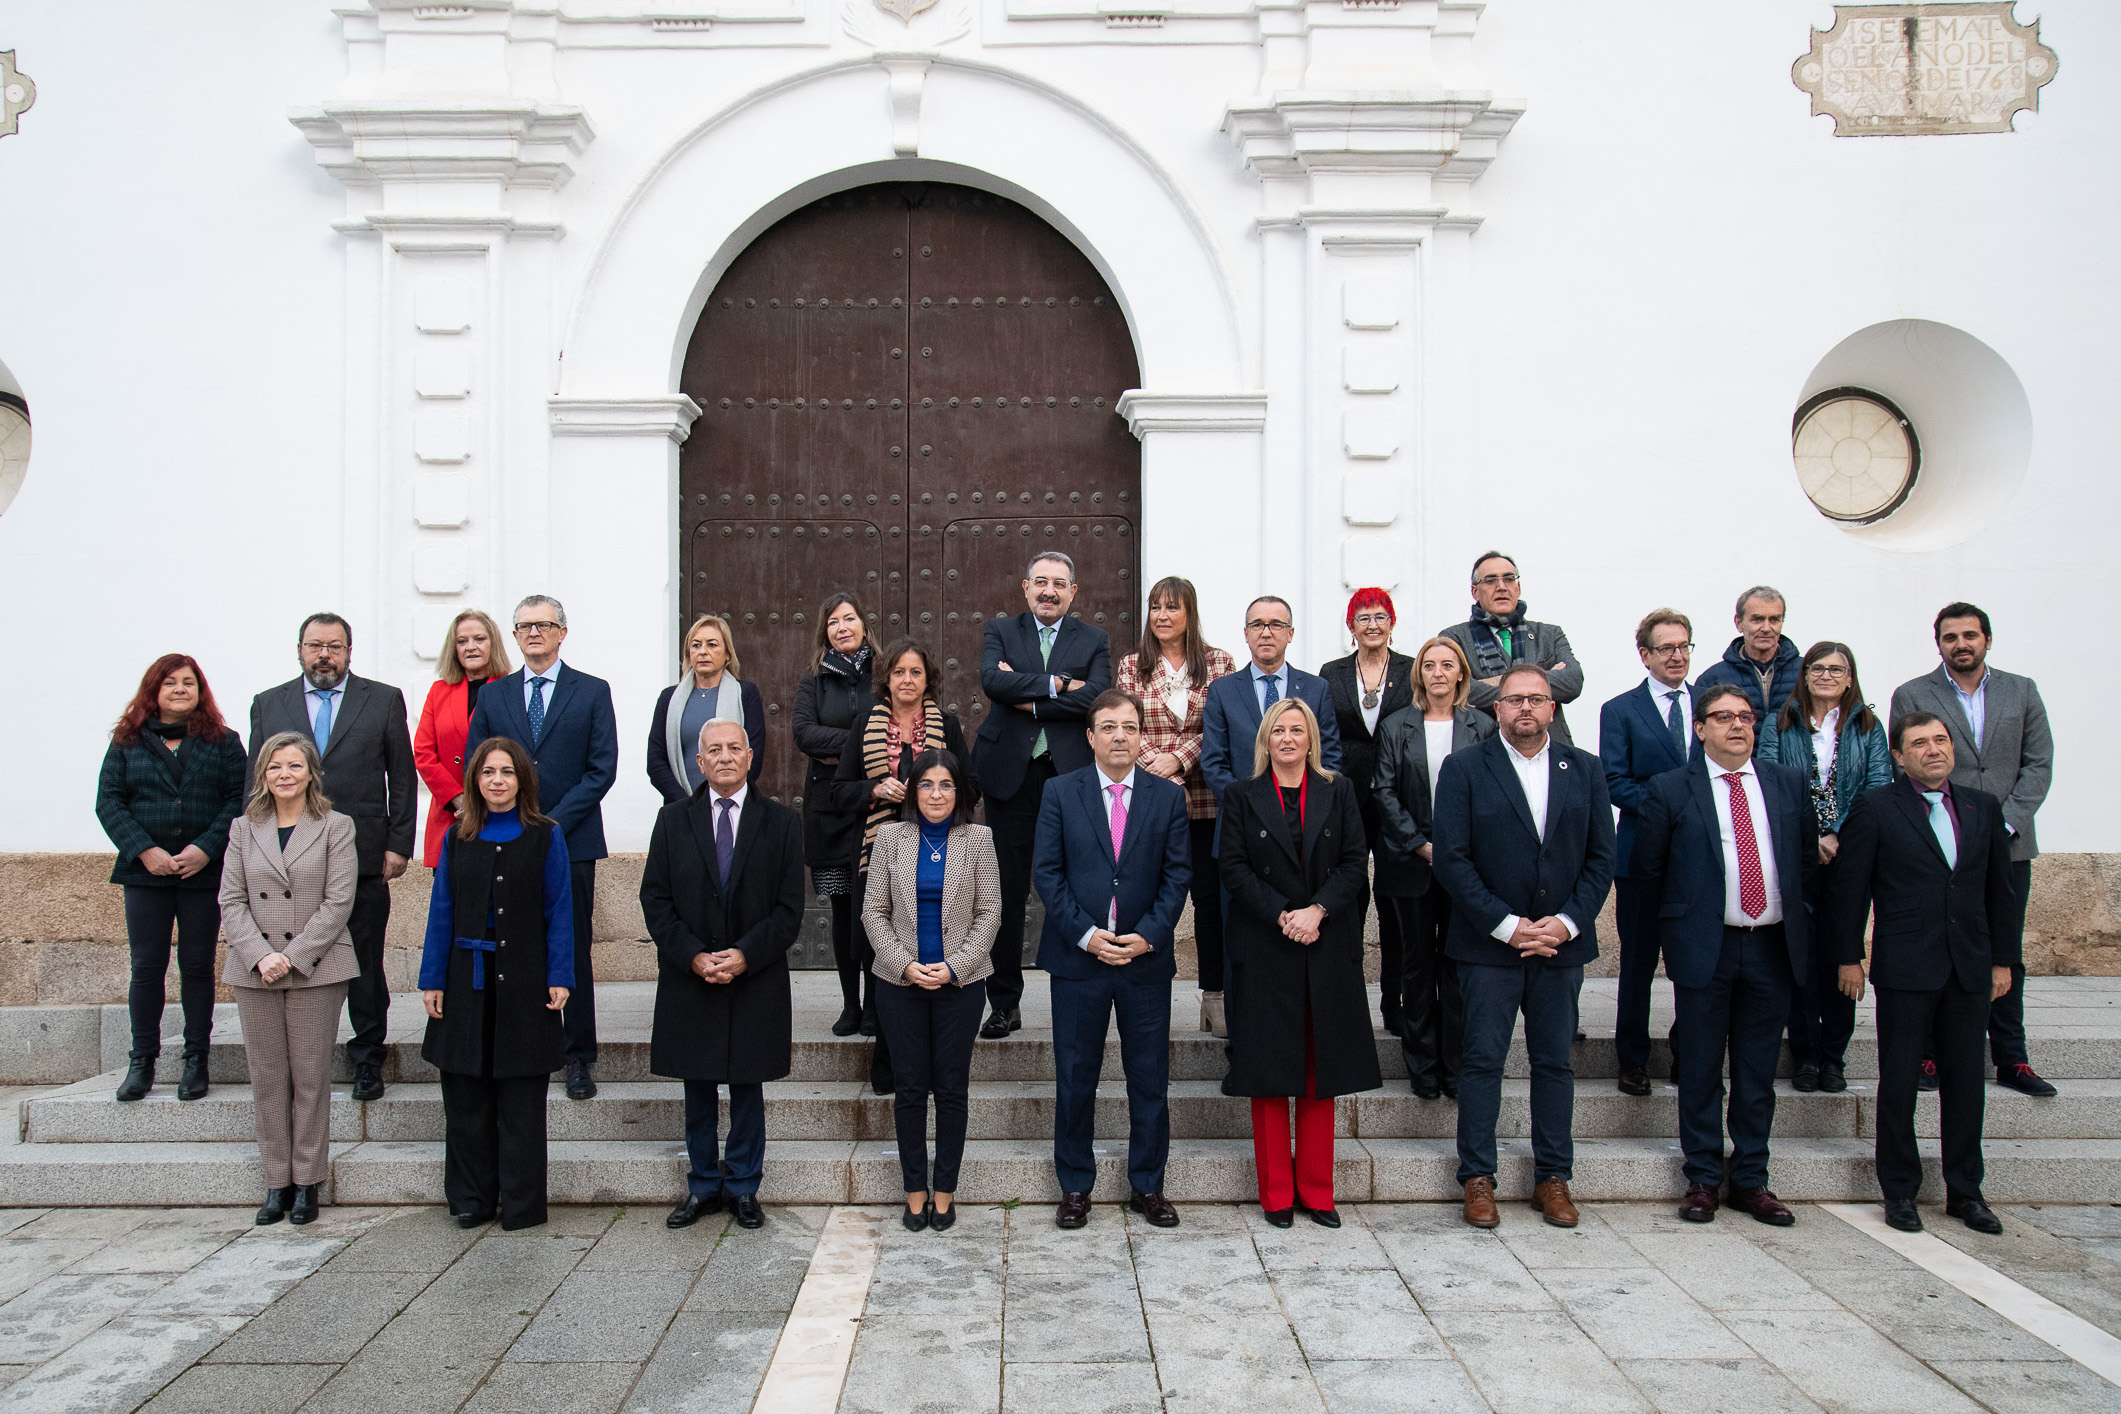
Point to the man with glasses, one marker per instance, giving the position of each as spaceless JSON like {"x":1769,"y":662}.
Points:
{"x":1724,"y":859}
{"x":1524,"y":846}
{"x":358,"y":726}
{"x":2001,"y":745}
{"x":1041,"y":670}
{"x":1497,"y":635}
{"x":1236,"y":703}
{"x":1643,"y":733}
{"x":1760,"y":662}
{"x":562,"y":716}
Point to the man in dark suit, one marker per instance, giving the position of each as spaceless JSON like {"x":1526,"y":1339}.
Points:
{"x":2001,"y":742}
{"x":1933,"y":857}
{"x":563,"y":718}
{"x":1723,"y":859}
{"x":1112,"y":867}
{"x":359,"y":729}
{"x":1523,"y":837}
{"x":1041,"y":670}
{"x":1643,"y":733}
{"x":723,"y":897}
{"x":1231,"y":714}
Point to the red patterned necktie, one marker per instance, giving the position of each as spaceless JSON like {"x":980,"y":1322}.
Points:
{"x":1752,"y":887}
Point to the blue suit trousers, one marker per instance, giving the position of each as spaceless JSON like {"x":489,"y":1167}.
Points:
{"x":1082,"y":1010}
{"x":737,"y":1170}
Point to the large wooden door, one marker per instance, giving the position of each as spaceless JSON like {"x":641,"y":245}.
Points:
{"x":906,"y":391}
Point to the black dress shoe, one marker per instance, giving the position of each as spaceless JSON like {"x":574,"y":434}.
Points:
{"x":304,"y":1209}
{"x":1394,"y":1022}
{"x":850,"y":1021}
{"x":580,"y":1085}
{"x":1975,"y":1214}
{"x":478,"y":1218}
{"x":1450,"y":1087}
{"x":1155,"y":1208}
{"x":1633,"y":1080}
{"x":139,"y":1079}
{"x":1900,"y":1213}
{"x":1806,"y":1080}
{"x":1000,"y":1022}
{"x":1832,"y":1078}
{"x":747,"y":1210}
{"x":277,"y":1202}
{"x":916,"y":1219}
{"x":1324,"y":1217}
{"x":1926,"y":1075}
{"x":1430,"y":1091}
{"x":1279,"y":1217}
{"x":941,"y":1219}
{"x":2025,"y":1080}
{"x":870,"y":1029}
{"x":192,"y":1084}
{"x":1073,"y":1212}
{"x":368,"y":1082}
{"x":692,"y":1207}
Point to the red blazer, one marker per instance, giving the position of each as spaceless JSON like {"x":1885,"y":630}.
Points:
{"x":438,"y":750}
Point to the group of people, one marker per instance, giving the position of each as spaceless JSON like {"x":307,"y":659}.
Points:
{"x":1761,"y":821}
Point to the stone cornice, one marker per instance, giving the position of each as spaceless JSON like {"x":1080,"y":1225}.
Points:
{"x":662,"y":415}
{"x":1451,"y":133}
{"x":1192,"y":412}
{"x":512,"y":142}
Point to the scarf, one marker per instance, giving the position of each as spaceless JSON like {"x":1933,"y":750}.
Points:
{"x":728,"y":707}
{"x":1490,"y":656}
{"x":168,"y":731}
{"x":877,"y":763}
{"x":847,"y":665}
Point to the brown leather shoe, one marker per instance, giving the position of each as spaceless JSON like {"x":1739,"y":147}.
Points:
{"x":1480,"y":1203}
{"x":1552,"y":1200}
{"x":1155,"y":1207}
{"x":1762,"y":1204}
{"x":1074,"y":1210}
{"x":1699,"y":1205}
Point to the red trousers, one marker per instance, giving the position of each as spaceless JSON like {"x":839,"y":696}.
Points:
{"x":1311,"y":1182}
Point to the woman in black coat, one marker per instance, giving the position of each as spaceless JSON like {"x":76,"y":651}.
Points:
{"x":172,"y":781}
{"x":830,"y":702}
{"x":1411,"y":747}
{"x":1295,"y":862}
{"x":1368,"y":686}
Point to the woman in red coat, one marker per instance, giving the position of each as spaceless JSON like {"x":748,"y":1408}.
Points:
{"x":473,"y":654}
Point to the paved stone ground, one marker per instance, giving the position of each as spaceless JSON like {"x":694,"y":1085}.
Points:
{"x":1404,"y":1309}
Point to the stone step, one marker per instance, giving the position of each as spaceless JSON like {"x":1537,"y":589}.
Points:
{"x":846,"y":1111}
{"x":1004,"y":1170}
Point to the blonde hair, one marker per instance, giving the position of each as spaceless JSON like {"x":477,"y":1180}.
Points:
{"x":1264,"y":735}
{"x":1465,"y":671}
{"x":449,"y":670}
{"x":315,"y":803}
{"x":733,"y":666}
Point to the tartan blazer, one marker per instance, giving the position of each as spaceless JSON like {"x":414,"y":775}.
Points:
{"x":1161,"y":731}
{"x":972,"y":902}
{"x":142,"y":804}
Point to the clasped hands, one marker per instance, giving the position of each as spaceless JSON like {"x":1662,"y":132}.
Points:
{"x":1540,"y":937}
{"x":1061,"y":684}
{"x":724,"y":966}
{"x":928,"y":975}
{"x":181,"y":865}
{"x":1300,"y":925}
{"x":1117,"y":948}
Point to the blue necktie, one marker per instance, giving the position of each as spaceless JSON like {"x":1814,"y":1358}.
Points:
{"x":1272,"y":691}
{"x":322,"y":730}
{"x":725,"y":837}
{"x":537,"y":709}
{"x":1677,"y":723}
{"x":1941,"y":827}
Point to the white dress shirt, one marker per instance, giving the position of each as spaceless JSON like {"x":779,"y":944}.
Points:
{"x":1826,"y":740}
{"x":1532,"y":776}
{"x":551,"y":677}
{"x":1734,"y":914}
{"x":1104,"y":795}
{"x":1661,"y":698}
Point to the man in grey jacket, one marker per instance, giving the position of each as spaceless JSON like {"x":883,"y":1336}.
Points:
{"x":2001,"y":740}
{"x":1496,"y":636}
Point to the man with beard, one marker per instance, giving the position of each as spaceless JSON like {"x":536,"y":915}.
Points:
{"x":1524,"y":846}
{"x":1497,"y":635}
{"x":2001,"y":745}
{"x":1759,"y":662}
{"x":359,"y":729}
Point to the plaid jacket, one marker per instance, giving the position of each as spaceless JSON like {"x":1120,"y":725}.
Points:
{"x":141,"y":804}
{"x":1163,"y":732}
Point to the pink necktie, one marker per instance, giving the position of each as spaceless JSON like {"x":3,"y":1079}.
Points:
{"x":1119,"y":835}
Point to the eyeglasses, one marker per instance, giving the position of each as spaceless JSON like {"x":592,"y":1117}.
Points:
{"x":1670,"y":650}
{"x":937,"y":787}
{"x":1276,"y":625}
{"x":1525,"y":699}
{"x":311,"y":647}
{"x":1489,"y":581}
{"x":1724,"y":719}
{"x":1042,"y":582}
{"x":542,"y":626}
{"x":1372,"y":621}
{"x":1821,"y":670}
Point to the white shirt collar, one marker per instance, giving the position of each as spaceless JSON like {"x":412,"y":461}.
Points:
{"x":551,"y":674}
{"x":716,"y":797}
{"x":1716,"y":770}
{"x":1105,"y":782}
{"x":1536,"y":757}
{"x":1985,"y":671}
{"x":1660,"y":693}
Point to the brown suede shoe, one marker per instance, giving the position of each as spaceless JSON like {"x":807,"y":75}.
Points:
{"x":1761,"y":1204}
{"x":1552,"y":1200}
{"x":1699,"y":1205}
{"x":1480,"y":1203}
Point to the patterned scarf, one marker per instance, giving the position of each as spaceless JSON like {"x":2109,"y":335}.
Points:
{"x":880,"y":744}
{"x":1490,"y":657}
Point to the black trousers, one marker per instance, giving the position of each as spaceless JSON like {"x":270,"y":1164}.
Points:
{"x":579,"y":1018}
{"x":368,"y":995}
{"x":1822,"y":1017}
{"x":931,"y":1035}
{"x":1391,"y":958}
{"x":150,"y":914}
{"x":850,"y":950}
{"x":1740,"y":1012}
{"x":1638,"y":970}
{"x":1015,"y":825}
{"x":2006,"y":1014}
{"x":495,"y":1149}
{"x":1432,"y":1029}
{"x":1952,"y":1018}
{"x":1206,"y":889}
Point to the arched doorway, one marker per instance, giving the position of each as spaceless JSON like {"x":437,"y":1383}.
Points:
{"x":906,"y":390}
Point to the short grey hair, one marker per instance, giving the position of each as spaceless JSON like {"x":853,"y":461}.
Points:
{"x":699,"y":746}
{"x":1759,"y":591}
{"x":559,"y":611}
{"x":1059,"y":557}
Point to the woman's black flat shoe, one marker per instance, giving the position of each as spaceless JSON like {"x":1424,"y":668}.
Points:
{"x":277,"y":1202}
{"x":139,"y":1079}
{"x":470,"y":1220}
{"x":1324,"y":1217}
{"x":1279,"y":1217}
{"x":850,"y":1021}
{"x":304,"y":1209}
{"x":192,"y":1085}
{"x":916,"y":1221}
{"x":941,"y":1219}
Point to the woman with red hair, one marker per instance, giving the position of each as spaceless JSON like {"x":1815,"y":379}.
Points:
{"x":172,"y":780}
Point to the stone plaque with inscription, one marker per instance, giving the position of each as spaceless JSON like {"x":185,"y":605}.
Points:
{"x":1902,"y":70}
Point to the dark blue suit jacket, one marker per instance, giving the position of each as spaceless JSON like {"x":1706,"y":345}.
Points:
{"x":1493,"y":863}
{"x":1679,"y":860}
{"x":577,"y":757}
{"x":1230,"y":721}
{"x":1635,"y":744}
{"x":1003,"y":748}
{"x":1078,"y":879}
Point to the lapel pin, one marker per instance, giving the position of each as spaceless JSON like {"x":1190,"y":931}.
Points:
{"x":1562,"y":764}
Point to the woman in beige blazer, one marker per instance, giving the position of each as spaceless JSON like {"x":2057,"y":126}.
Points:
{"x":287,"y":885}
{"x":933,"y":906}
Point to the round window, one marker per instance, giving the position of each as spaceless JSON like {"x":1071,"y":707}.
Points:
{"x":14,"y":445}
{"x":1856,"y":454}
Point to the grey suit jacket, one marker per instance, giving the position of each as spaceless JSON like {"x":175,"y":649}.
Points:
{"x":1541,"y":644}
{"x":368,"y":766}
{"x":2015,"y":761}
{"x":293,"y":901}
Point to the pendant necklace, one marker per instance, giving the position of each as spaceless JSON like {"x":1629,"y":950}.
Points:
{"x":1369,"y":693}
{"x":935,"y":853}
